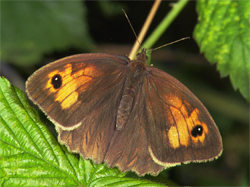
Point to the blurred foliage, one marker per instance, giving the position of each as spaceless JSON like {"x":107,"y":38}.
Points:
{"x":29,"y":29}
{"x":101,"y":22}
{"x":111,"y":8}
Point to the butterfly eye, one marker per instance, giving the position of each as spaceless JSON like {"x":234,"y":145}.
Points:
{"x":197,"y":131}
{"x":138,"y":54}
{"x":56,"y":81}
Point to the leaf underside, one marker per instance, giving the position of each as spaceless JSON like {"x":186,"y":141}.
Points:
{"x":223,"y":35}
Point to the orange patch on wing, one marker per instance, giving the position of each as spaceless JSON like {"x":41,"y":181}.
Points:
{"x":90,"y":71}
{"x":185,"y":123}
{"x":182,"y":129}
{"x":53,"y":73}
{"x":173,"y":137}
{"x":196,"y":121}
{"x":174,"y":101}
{"x":188,"y":119}
{"x":81,"y":79}
{"x":67,"y":94}
{"x":192,"y":121}
{"x":70,"y":100}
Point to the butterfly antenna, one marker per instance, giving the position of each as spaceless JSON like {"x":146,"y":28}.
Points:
{"x":144,"y":29}
{"x":131,"y":27}
{"x":170,"y":43}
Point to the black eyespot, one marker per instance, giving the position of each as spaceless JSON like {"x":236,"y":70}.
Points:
{"x":56,"y":81}
{"x":197,"y":131}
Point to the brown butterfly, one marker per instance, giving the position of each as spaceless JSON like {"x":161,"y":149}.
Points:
{"x":122,"y":112}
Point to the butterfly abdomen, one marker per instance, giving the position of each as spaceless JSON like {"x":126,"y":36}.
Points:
{"x":132,"y":84}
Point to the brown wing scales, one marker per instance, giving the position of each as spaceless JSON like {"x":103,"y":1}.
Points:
{"x":134,"y":117}
{"x":128,"y":148}
{"x":183,"y":121}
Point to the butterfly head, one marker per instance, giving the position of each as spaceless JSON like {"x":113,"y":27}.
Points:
{"x":143,"y":56}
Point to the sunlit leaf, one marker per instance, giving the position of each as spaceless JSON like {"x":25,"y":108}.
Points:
{"x":223,"y":35}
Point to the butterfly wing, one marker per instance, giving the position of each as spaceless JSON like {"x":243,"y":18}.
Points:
{"x":83,"y":107}
{"x":97,"y":138}
{"x":79,"y":77}
{"x":179,"y":128}
{"x":167,"y":126}
{"x":129,"y":147}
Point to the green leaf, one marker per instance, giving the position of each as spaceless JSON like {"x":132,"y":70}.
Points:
{"x":31,"y":156}
{"x":223,"y":35}
{"x":31,"y":28}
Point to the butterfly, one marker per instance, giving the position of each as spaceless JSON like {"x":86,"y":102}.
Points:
{"x":124,"y":113}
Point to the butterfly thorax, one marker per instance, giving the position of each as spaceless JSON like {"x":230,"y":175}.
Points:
{"x":134,"y":80}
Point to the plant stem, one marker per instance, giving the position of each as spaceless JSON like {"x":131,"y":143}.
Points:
{"x":177,"y":7}
{"x":144,"y":29}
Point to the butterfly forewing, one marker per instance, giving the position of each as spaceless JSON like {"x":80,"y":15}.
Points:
{"x":186,"y":130}
{"x":81,"y":77}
